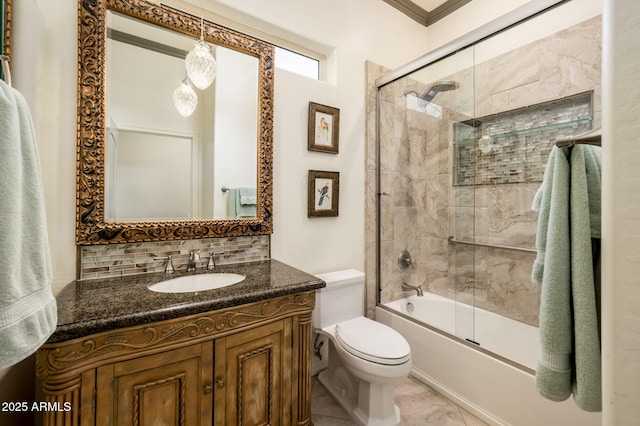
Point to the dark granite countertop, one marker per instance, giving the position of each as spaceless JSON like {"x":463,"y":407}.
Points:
{"x":91,"y":306}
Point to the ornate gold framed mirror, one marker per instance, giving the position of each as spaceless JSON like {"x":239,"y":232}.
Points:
{"x":109,"y":121}
{"x":5,"y":27}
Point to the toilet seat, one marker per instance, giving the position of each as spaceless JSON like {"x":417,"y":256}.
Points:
{"x":372,"y":341}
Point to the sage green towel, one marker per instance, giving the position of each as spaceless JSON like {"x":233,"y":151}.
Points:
{"x":568,"y":268}
{"x":28,"y":313}
{"x":552,"y":269}
{"x":585,"y":208}
{"x":236,"y":206}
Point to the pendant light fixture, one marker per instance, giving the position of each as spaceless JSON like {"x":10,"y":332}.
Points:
{"x":200,"y":64}
{"x":185,"y":98}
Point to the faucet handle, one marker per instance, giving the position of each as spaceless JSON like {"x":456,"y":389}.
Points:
{"x":169,"y":268}
{"x":193,"y":258}
{"x":212,"y":264}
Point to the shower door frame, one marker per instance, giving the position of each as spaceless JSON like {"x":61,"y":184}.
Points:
{"x":522,"y":14}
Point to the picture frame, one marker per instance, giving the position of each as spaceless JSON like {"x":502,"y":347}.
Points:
{"x":323,"y":194}
{"x":323,"y":128}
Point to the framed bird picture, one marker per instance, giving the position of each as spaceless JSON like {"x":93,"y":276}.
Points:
{"x":324,"y":128}
{"x":324,"y":194}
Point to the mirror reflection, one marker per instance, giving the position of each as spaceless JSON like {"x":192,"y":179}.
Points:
{"x":160,"y":165}
{"x":144,"y":171}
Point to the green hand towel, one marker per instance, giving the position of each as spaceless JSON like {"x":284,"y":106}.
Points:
{"x":235,"y":206}
{"x":28,"y":313}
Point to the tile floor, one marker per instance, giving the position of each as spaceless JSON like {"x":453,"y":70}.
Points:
{"x":419,"y":406}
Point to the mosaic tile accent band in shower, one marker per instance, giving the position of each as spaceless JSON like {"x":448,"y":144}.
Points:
{"x":114,"y":260}
{"x":513,"y":146}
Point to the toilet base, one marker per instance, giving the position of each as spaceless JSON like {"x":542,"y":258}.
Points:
{"x":370,"y":404}
{"x":342,"y":391}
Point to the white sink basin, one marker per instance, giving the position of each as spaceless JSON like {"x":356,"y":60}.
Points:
{"x":191,"y":283}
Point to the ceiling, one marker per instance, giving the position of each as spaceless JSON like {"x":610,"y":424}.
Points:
{"x":426,"y":12}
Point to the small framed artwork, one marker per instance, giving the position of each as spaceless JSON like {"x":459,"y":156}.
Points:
{"x":324,"y":194}
{"x":324,"y":128}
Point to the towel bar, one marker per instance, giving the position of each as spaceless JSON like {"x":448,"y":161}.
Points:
{"x":452,"y":240}
{"x":592,"y":137}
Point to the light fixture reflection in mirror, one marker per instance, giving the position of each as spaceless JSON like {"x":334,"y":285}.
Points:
{"x":185,"y":98}
{"x":227,"y":140}
{"x":200,"y":65}
{"x":214,"y":124}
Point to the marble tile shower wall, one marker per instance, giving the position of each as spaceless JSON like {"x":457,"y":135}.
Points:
{"x":112,"y":260}
{"x":424,"y":208}
{"x":513,"y":147}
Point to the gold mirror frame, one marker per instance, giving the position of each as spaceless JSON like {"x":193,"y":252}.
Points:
{"x":8,"y":17}
{"x":91,"y":227}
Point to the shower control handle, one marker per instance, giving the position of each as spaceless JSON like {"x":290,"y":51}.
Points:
{"x":404,"y":260}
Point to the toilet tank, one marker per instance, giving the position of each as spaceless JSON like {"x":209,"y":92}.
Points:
{"x":342,"y":299}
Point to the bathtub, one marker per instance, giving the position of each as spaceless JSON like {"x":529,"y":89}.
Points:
{"x":491,"y":374}
{"x":513,"y":340}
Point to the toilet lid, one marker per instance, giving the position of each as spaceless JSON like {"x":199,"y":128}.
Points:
{"x":373,"y":341}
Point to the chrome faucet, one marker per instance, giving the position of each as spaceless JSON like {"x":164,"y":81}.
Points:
{"x":408,"y":287}
{"x":169,"y":267}
{"x":211,"y":265}
{"x":193,"y":258}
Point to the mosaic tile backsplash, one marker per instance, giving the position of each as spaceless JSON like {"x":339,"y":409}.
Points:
{"x":102,"y":261}
{"x":513,"y":146}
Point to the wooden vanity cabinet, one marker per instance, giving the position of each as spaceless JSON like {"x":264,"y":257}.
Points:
{"x":245,"y":365}
{"x":253,"y":377}
{"x":163,"y":389}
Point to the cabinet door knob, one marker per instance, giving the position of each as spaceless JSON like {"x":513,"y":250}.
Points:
{"x":220,"y":383}
{"x":207,"y":389}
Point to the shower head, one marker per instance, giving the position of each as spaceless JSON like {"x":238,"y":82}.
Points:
{"x":439,"y":86}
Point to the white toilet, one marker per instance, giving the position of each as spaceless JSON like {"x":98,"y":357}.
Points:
{"x":366,"y":358}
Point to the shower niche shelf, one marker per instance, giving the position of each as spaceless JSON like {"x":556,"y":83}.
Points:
{"x":513,"y":146}
{"x":567,"y":127}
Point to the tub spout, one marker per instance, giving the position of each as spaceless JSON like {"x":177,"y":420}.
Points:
{"x":408,"y":287}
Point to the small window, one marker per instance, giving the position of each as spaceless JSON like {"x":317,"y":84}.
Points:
{"x":297,"y":63}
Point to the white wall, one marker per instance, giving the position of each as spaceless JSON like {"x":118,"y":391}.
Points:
{"x":235,"y":150}
{"x":142,"y":191}
{"x":354,"y":31}
{"x":44,"y":68}
{"x":621,"y":213}
{"x":154,"y":175}
{"x":469,"y":17}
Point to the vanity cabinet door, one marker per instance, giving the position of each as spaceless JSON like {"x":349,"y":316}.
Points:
{"x":169,"y":388}
{"x":253,"y":376}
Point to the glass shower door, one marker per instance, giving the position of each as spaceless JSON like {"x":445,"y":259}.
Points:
{"x":421,"y":211}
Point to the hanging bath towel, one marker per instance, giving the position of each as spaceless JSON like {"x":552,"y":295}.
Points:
{"x":586,"y":171}
{"x":28,"y":312}
{"x":568,"y":267}
{"x":553,"y":270}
